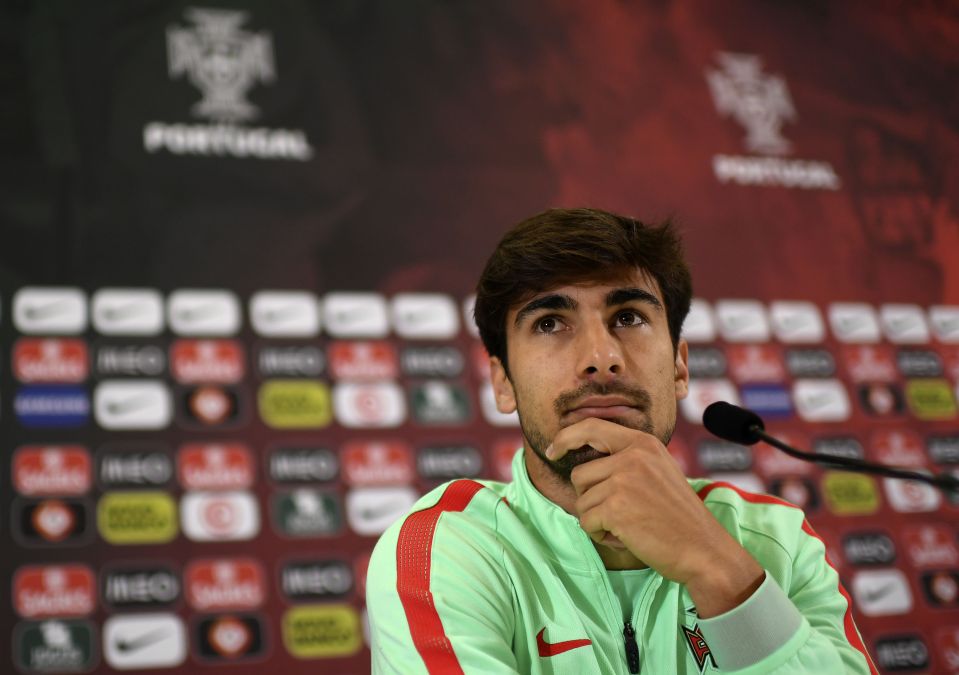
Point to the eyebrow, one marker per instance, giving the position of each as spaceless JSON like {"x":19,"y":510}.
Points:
{"x":621,"y":296}
{"x":551,"y":301}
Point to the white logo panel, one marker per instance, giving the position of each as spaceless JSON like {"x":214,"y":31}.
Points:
{"x":370,"y":511}
{"x":127,"y":311}
{"x":904,"y":324}
{"x":700,"y":325}
{"x":220,"y":516}
{"x":356,"y":315}
{"x":50,"y":311}
{"x":285,"y":314}
{"x":821,"y":400}
{"x":854,"y":322}
{"x":742,"y":321}
{"x":203,"y":313}
{"x":375,"y":405}
{"x":132,"y":404}
{"x":704,"y":392}
{"x":796,"y":322}
{"x":139,"y":641}
{"x":425,"y":315}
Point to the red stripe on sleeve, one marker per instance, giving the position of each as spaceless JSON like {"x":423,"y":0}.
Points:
{"x":852,"y":635}
{"x":413,"y":558}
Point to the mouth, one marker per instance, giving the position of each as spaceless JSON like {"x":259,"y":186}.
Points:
{"x":603,"y":407}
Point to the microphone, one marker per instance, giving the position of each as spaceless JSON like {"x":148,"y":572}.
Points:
{"x":744,"y":427}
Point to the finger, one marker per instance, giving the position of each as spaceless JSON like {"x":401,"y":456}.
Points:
{"x":593,"y":523}
{"x":593,"y":496}
{"x":600,"y":434}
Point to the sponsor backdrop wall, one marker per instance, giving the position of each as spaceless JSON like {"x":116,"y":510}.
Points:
{"x":239,"y":241}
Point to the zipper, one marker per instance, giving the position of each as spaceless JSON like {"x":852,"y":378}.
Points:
{"x":632,"y":649}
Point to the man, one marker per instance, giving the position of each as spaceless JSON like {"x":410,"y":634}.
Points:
{"x":600,"y":556}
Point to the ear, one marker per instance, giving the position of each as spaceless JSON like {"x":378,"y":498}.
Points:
{"x":502,"y":387}
{"x":681,"y":372}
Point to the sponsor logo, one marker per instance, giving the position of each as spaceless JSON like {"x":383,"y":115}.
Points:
{"x":742,"y":321}
{"x":133,"y":404}
{"x":425,"y":315}
{"x":50,"y":360}
{"x":203,"y":313}
{"x":290,"y":361}
{"x":448,"y":462}
{"x":229,"y":638}
{"x":869,"y":363}
{"x":706,"y":362}
{"x":854,"y":323}
{"x":796,"y":322}
{"x":377,"y":463}
{"x":930,"y":399}
{"x":210,"y":406}
{"x":316,"y":580}
{"x":54,"y":646}
{"x":821,"y":400}
{"x":768,"y":400}
{"x":944,"y":321}
{"x":881,"y":592}
{"x":904,"y":324}
{"x":302,"y":464}
{"x":868,"y":548}
{"x":227,"y":140}
{"x":127,"y":311}
{"x":50,"y":311}
{"x":761,"y":103}
{"x":373,"y":405}
{"x":941,"y":588}
{"x":146,"y":587}
{"x":488,"y":405}
{"x":224,"y":584}
{"x":771,"y":461}
{"x":850,"y":494}
{"x":363,"y":360}
{"x":285,"y":314}
{"x":129,"y":360}
{"x":944,"y":449}
{"x":207,"y":361}
{"x":468,"y":320}
{"x":137,"y":517}
{"x":125,"y":465}
{"x":906,"y":652}
{"x":716,"y":455}
{"x":357,"y":315}
{"x":744,"y":480}
{"x":797,"y":490}
{"x":306,"y":513}
{"x":294,"y":404}
{"x":214,"y":466}
{"x":438,"y":402}
{"x":54,"y":591}
{"x":930,"y":545}
{"x":321,"y":631}
{"x":700,"y":325}
{"x":140,"y":641}
{"x":52,"y":470}
{"x":910,"y":496}
{"x":756,"y":363}
{"x":432,"y":361}
{"x":371,"y":510}
{"x":51,"y":521}
{"x":839,"y":446}
{"x":219,"y":516}
{"x":52,"y":406}
{"x":898,"y":448}
{"x":881,"y":399}
{"x":704,"y":392}
{"x":919,"y":363}
{"x":810,"y":363}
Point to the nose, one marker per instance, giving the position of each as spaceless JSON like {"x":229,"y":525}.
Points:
{"x":600,"y":353}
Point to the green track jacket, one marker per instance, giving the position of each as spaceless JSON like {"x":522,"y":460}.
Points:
{"x":488,"y":577}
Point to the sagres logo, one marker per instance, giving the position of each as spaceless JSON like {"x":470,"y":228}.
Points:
{"x":224,"y":61}
{"x":54,"y":590}
{"x":52,"y":470}
{"x":761,"y":103}
{"x":225,"y":584}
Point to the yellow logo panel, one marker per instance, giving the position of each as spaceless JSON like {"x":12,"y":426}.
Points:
{"x":321,"y":631}
{"x":295,"y":404}
{"x":137,"y":517}
{"x":850,"y":494}
{"x":930,"y":399}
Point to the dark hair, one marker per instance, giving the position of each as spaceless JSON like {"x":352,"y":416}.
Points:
{"x":562,"y":246}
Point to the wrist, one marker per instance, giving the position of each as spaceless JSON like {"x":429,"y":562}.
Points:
{"x":725,"y":583}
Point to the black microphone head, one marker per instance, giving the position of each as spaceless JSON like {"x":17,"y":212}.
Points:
{"x":732,"y":423}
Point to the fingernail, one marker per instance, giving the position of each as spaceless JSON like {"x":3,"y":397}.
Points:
{"x":549,"y":451}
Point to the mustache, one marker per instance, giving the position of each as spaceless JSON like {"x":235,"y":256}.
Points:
{"x":638,"y":397}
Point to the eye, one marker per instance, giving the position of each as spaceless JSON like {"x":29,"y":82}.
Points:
{"x":547,"y":324}
{"x":629,"y":317}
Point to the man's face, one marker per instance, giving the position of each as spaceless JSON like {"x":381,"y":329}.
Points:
{"x":591,"y":350}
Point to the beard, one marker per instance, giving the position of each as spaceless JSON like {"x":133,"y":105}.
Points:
{"x":562,"y":468}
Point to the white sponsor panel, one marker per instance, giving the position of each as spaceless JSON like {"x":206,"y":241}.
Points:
{"x":944,"y":320}
{"x":700,"y":324}
{"x":50,"y":310}
{"x":203,"y":313}
{"x":370,"y":510}
{"x":142,"y":641}
{"x":424,"y":315}
{"x":220,"y":516}
{"x":796,"y":322}
{"x":468,"y":304}
{"x":904,"y":324}
{"x":285,"y":314}
{"x":127,"y":311}
{"x":911,"y":496}
{"x":374,"y":405}
{"x":132,"y":404}
{"x":356,"y":315}
{"x":488,"y":405}
{"x":742,"y":321}
{"x":854,"y":322}
{"x":821,"y":400}
{"x":704,"y":392}
{"x":881,"y":592}
{"x":744,"y":480}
